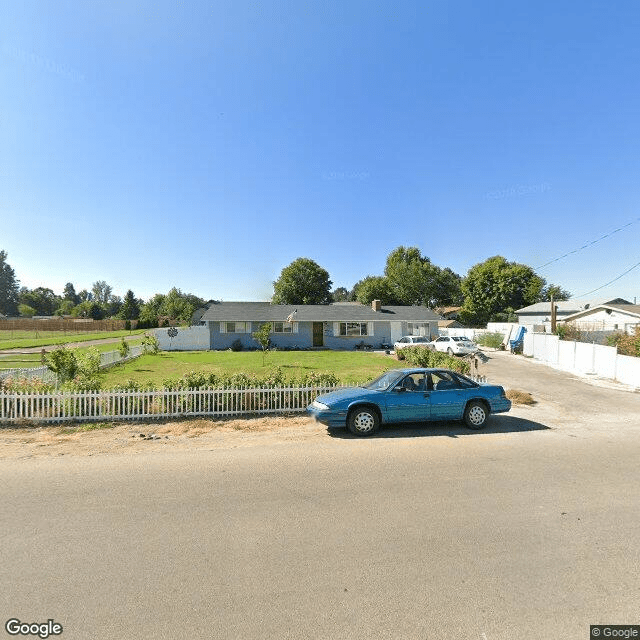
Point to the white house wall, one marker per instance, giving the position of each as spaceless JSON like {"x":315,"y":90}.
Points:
{"x":600,"y":320}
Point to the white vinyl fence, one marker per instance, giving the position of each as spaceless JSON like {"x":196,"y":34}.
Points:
{"x":45,"y":374}
{"x":583,"y":358}
{"x":165,"y":403}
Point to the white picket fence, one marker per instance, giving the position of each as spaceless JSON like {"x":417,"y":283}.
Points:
{"x":45,"y":374}
{"x":165,"y":403}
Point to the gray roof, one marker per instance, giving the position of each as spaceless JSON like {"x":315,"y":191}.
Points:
{"x":568,"y":306}
{"x":267,"y":312}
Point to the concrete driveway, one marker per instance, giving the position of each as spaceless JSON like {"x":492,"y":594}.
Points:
{"x":529,"y":529}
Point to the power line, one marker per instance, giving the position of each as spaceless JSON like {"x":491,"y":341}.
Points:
{"x":588,"y":244}
{"x":637,"y":264}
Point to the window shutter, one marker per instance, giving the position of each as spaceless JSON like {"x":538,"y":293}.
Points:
{"x":336,"y":328}
{"x":295,"y":327}
{"x":247,"y":327}
{"x":369,"y":328}
{"x":223,"y":327}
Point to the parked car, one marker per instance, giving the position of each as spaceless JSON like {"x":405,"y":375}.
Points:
{"x":410,"y":341}
{"x":454,"y":345}
{"x":410,"y":395}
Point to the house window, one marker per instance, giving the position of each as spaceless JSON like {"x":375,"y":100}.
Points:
{"x":282,"y":327}
{"x":235,"y":327}
{"x":354,"y":329}
{"x":418,"y":328}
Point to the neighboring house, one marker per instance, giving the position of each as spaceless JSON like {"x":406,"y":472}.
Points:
{"x":539,"y":314}
{"x":449,"y":313}
{"x":607,"y":317}
{"x":335,"y":326}
{"x":449,"y":324}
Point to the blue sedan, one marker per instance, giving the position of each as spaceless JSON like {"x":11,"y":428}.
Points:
{"x":410,"y":395}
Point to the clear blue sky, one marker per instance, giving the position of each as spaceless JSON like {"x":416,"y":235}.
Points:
{"x":206,"y":145}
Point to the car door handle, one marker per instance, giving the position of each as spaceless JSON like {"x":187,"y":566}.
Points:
{"x":427,"y":394}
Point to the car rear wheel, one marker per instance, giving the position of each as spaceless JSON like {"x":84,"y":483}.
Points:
{"x":363,"y":421}
{"x":476,"y":415}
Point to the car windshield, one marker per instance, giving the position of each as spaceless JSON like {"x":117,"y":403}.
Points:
{"x":385,"y":381}
{"x":460,"y":339}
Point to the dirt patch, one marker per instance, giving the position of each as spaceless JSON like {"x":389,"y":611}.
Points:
{"x":130,"y":438}
{"x":520,"y":397}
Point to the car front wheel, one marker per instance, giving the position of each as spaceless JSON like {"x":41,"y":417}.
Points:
{"x":476,"y":415}
{"x":450,"y":351}
{"x":363,"y":421}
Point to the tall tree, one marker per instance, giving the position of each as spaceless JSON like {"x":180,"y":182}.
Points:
{"x":42,"y":299}
{"x":495,"y":288}
{"x":69,"y":293}
{"x":554,"y":290}
{"x":101,"y":292}
{"x":180,"y":306}
{"x":302,"y":282}
{"x":130,"y":309}
{"x":374,"y":288}
{"x":414,"y":280}
{"x":9,"y":287}
{"x":341,"y":294}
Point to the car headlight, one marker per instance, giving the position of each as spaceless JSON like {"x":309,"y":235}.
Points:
{"x":319,"y":405}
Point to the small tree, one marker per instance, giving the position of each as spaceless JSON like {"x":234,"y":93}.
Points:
{"x":124,"y":348}
{"x":262,"y":336}
{"x":150,"y":344}
{"x":63,"y":363}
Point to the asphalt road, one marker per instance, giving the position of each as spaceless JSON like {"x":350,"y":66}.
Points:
{"x":529,"y":529}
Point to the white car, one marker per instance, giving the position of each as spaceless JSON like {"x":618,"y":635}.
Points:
{"x":411,"y":341}
{"x":454,"y":345}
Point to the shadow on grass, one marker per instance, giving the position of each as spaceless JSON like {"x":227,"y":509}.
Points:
{"x":496,"y":425}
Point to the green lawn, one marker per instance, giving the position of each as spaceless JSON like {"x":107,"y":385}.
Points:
{"x":30,"y":360}
{"x":10,"y":339}
{"x":349,"y":366}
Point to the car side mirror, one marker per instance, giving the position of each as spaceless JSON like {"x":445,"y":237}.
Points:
{"x":399,"y":389}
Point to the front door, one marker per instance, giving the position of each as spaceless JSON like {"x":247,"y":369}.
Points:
{"x":318,"y":334}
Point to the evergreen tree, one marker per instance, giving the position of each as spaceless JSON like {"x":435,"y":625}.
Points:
{"x":8,"y":288}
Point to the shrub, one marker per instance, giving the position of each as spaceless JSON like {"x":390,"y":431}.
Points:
{"x":25,"y":385}
{"x":627,"y":345}
{"x":236,"y":345}
{"x":568,"y":331}
{"x":424,"y":357}
{"x":319,"y":379}
{"x":491,"y":340}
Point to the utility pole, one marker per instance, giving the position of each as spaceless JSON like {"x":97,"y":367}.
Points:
{"x":553,"y":316}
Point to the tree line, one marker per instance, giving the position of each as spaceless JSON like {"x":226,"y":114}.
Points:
{"x":491,"y":291}
{"x":99,"y":303}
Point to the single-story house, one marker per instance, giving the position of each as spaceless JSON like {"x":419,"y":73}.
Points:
{"x":607,"y":317}
{"x":539,"y":314}
{"x":334,"y":326}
